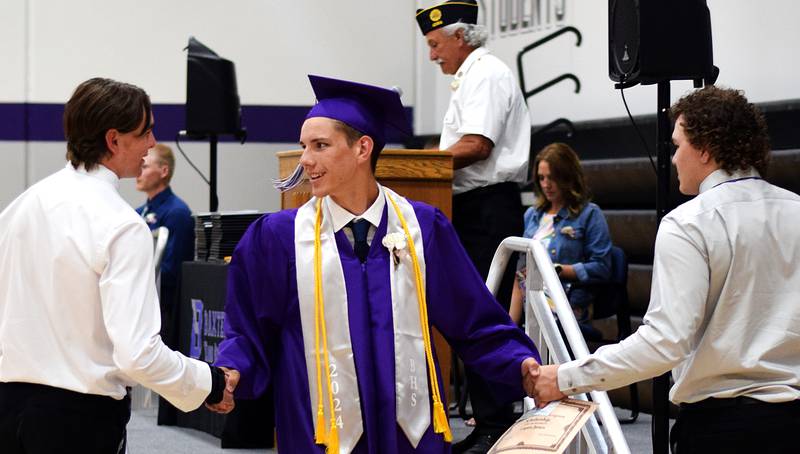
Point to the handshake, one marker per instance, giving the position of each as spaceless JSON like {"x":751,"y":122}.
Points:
{"x":541,"y":382}
{"x":226,"y":404}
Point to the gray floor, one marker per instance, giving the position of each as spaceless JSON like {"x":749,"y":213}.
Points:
{"x":145,"y":437}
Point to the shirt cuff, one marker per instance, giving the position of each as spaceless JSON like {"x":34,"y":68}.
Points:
{"x":217,"y":385}
{"x":580,"y":271}
{"x":572,"y":380}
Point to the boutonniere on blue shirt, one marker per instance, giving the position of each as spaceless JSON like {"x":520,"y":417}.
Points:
{"x":150,"y":218}
{"x":568,"y":231}
{"x":396,"y":244}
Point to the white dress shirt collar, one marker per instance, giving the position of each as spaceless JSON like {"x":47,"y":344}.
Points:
{"x":720,"y":176}
{"x":340,"y":216}
{"x":100,"y":172}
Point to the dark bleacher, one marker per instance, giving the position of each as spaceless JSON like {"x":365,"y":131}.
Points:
{"x":625,"y":189}
{"x":615,"y":138}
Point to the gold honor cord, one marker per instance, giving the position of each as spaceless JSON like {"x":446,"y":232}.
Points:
{"x":440,"y":423}
{"x":331,"y":439}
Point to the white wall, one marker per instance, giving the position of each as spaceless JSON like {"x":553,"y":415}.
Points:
{"x":274,"y":44}
{"x":47,"y":47}
{"x":13,"y":28}
{"x":755,"y":47}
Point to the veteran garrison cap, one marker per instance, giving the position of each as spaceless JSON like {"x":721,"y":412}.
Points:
{"x":373,"y":111}
{"x":447,"y":13}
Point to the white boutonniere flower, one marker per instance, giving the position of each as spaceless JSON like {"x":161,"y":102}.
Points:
{"x":395,"y":242}
{"x":150,"y":218}
{"x":568,"y":231}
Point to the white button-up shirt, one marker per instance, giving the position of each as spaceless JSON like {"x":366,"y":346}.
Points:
{"x":724,"y":310}
{"x":487,"y":101}
{"x":78,"y":303}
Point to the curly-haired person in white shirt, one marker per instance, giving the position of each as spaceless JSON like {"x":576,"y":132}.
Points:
{"x":724,"y":313}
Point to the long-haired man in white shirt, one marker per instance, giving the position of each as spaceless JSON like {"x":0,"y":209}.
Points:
{"x":724,"y":310}
{"x":79,"y":315}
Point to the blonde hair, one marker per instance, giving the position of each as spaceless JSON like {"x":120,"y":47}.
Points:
{"x":165,"y":157}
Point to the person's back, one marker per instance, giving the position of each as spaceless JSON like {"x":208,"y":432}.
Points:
{"x":747,"y":229}
{"x":60,"y":268}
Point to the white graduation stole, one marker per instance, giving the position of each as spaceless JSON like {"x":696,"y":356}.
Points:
{"x":411,"y":374}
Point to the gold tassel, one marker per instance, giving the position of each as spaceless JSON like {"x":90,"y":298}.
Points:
{"x":319,"y":434}
{"x":440,"y":424}
{"x":333,"y":440}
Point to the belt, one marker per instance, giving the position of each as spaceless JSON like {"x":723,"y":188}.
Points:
{"x":497,"y":188}
{"x":715,"y":403}
{"x":24,"y":391}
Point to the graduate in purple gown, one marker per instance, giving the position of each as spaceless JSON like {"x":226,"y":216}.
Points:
{"x":333,"y":302}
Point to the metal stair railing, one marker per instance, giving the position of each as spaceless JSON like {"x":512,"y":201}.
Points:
{"x":540,"y":325}
{"x":527,"y":94}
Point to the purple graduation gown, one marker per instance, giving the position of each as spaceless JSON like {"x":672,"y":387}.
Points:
{"x":264,"y":338}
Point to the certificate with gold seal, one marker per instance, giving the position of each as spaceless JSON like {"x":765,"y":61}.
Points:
{"x":545,"y":430}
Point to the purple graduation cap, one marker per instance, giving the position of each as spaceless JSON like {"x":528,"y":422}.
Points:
{"x":373,"y":111}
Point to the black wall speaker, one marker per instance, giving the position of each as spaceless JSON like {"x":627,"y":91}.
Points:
{"x":212,"y":98}
{"x":650,"y":41}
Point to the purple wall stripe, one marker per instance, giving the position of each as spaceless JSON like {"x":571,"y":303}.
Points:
{"x":265,"y":124}
{"x":12,"y":122}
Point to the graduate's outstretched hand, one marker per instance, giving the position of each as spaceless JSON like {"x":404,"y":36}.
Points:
{"x":530,"y":372}
{"x":227,"y":403}
{"x":546,"y":389}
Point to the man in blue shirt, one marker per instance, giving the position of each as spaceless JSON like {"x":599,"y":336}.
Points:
{"x":164,"y":208}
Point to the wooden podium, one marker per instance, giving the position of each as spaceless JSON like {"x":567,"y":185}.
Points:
{"x":423,"y":175}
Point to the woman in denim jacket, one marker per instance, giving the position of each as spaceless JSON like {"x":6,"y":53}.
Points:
{"x":573,"y":230}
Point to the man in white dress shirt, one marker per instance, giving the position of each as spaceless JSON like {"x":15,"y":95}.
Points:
{"x":487,"y":129}
{"x":79,"y":315}
{"x":724,"y":312}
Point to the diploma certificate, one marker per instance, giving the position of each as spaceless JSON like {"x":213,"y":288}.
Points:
{"x":545,"y":430}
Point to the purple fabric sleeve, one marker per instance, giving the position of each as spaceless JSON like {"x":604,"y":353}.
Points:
{"x":466,"y":313}
{"x":257,"y":279}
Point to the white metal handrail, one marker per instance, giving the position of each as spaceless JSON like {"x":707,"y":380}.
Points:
{"x":540,"y":325}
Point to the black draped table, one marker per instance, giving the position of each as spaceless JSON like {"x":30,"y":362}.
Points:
{"x":200,"y":330}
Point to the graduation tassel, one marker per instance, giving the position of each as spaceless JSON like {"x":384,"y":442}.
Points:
{"x":319,"y":434}
{"x":332,"y":447}
{"x":285,"y":184}
{"x":440,"y":423}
